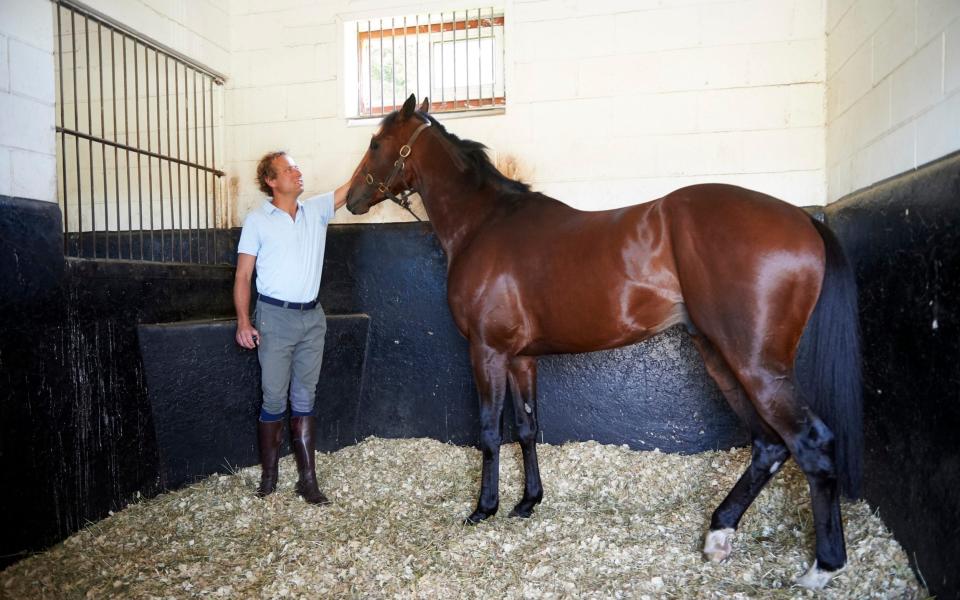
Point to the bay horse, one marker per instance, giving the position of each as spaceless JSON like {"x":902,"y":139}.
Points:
{"x":745,"y":274}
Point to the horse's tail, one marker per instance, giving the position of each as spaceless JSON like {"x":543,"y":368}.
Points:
{"x":830,"y":370}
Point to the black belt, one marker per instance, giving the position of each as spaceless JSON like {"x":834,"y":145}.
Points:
{"x":294,"y":305}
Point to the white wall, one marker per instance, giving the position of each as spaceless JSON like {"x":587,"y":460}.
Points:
{"x":893,"y":99}
{"x":198,"y":29}
{"x":626,"y":100}
{"x":27,"y":151}
{"x":610,"y":102}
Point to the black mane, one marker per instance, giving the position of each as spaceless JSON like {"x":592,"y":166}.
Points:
{"x":474,"y":156}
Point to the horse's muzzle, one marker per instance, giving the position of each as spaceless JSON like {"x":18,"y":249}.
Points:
{"x":358,"y":203}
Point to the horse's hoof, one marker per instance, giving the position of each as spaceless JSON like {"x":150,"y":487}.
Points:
{"x":477,"y":517}
{"x":524,"y":508}
{"x":816,"y":578}
{"x":522,"y":511}
{"x":719,"y":545}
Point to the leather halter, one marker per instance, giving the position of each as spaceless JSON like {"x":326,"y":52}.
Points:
{"x":384,"y":186}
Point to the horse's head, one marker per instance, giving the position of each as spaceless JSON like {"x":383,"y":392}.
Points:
{"x":383,"y":172}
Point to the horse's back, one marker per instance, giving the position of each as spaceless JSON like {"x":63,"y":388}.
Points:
{"x":550,"y":278}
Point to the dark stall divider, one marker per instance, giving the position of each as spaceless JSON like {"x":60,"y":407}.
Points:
{"x":90,"y":422}
{"x":204,"y":392}
{"x":903,"y":236}
{"x":78,"y":435}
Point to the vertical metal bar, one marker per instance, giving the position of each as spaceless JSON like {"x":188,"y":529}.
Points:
{"x":454,"y":22}
{"x":430,"y":53}
{"x":176,"y":97}
{"x":381,"y":66}
{"x":116,"y":151}
{"x":126,"y":136}
{"x":196,"y":157}
{"x":206,"y":196}
{"x":393,"y":64}
{"x":63,"y":136}
{"x":466,"y":51}
{"x":417,"y":39}
{"x":186,"y":122}
{"x":76,"y":139}
{"x":493,"y":60}
{"x":146,"y":101}
{"x":479,"y":61}
{"x":404,"y":57}
{"x":93,"y":206}
{"x":136,"y":110}
{"x":503,"y":59}
{"x":443,"y":92}
{"x":213,"y":163}
{"x":163,"y":235}
{"x":166,"y":78}
{"x":359,"y":71}
{"x":103,"y":147}
{"x":369,"y":68}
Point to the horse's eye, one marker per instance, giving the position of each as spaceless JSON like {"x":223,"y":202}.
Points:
{"x":373,"y":144}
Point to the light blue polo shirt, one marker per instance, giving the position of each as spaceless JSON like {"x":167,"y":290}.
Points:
{"x":289,"y":251}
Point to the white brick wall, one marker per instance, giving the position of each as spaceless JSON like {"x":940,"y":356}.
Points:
{"x":609,"y":101}
{"x":199,"y":29}
{"x":893,"y":81}
{"x":659,"y":94}
{"x":27,"y":152}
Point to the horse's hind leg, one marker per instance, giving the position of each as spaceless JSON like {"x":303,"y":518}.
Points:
{"x":490,"y":375}
{"x":811,"y":444}
{"x":769,"y":454}
{"x":523,"y":388}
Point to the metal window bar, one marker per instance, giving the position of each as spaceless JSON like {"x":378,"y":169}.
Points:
{"x":121,"y":205}
{"x":453,"y":71}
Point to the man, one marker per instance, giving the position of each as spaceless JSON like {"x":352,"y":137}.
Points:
{"x":285,"y":240}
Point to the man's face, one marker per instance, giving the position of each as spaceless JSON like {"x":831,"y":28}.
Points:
{"x":289,"y":179}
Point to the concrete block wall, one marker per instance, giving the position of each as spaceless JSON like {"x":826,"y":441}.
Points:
{"x":893,"y":100}
{"x":609,"y":103}
{"x":199,"y":29}
{"x":27,"y":151}
{"x":625,"y":101}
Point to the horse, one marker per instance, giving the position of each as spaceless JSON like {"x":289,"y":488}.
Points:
{"x":746,"y":274}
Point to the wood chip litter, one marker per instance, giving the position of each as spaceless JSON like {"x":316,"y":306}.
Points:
{"x":615,"y":523}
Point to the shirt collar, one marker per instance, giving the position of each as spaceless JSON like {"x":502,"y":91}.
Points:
{"x":269,"y":208}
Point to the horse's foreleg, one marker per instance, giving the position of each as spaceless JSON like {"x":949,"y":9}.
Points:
{"x":490,"y":374}
{"x":769,"y":454}
{"x":523,"y":388}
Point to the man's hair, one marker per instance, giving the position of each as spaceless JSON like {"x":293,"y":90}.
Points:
{"x":266,"y":171}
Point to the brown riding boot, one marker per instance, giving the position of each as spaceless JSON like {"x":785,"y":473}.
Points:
{"x":269,"y":436}
{"x":301,"y":428}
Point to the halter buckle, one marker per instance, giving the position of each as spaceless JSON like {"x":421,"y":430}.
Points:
{"x":369,"y":179}
{"x":382,"y":188}
{"x":404,"y":151}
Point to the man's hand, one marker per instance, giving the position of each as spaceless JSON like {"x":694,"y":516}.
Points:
{"x":248,"y":336}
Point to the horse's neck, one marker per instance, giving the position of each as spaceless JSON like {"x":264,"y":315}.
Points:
{"x":456,"y":208}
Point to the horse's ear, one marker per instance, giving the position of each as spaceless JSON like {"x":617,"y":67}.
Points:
{"x":408,"y":107}
{"x":425,"y":106}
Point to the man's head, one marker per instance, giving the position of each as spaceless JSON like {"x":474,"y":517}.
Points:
{"x":278,"y":174}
